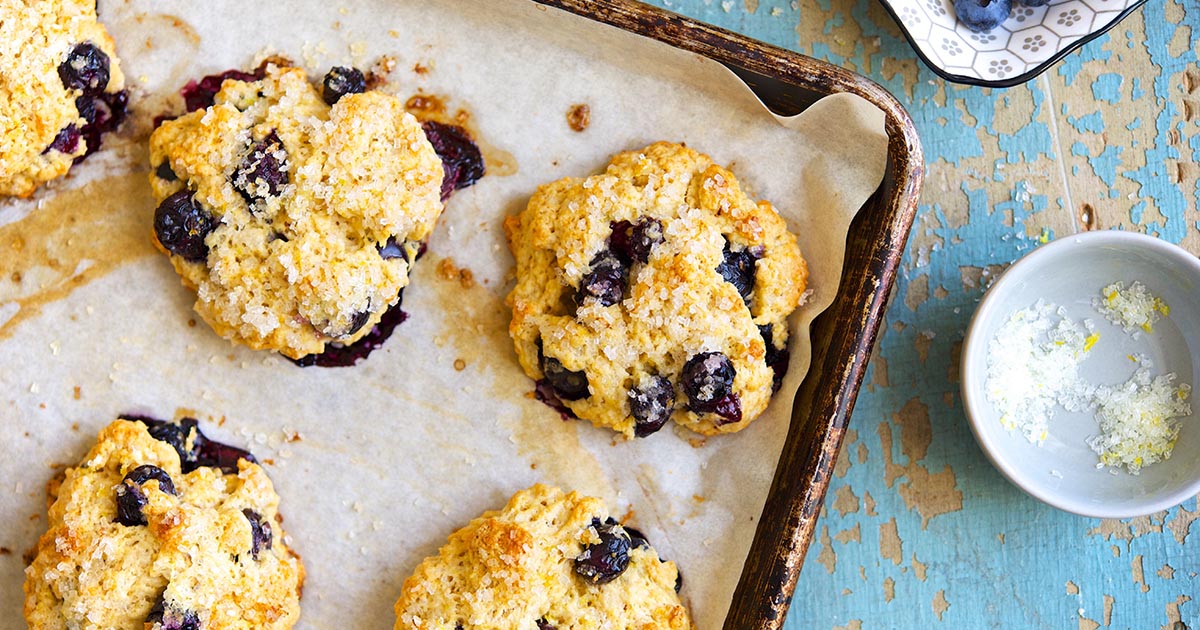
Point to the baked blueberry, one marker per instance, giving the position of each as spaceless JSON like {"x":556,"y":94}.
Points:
{"x":165,"y":617}
{"x":777,"y":358}
{"x":604,"y":561}
{"x":567,"y":384}
{"x":542,"y":624}
{"x":264,"y":171}
{"x":130,"y":501}
{"x":340,"y":81}
{"x":348,"y":355}
{"x":633,"y":241}
{"x":165,"y":173}
{"x":737,"y":267}
{"x":67,"y":140}
{"x":605,"y":280}
{"x":707,"y":378}
{"x":261,"y":537}
{"x":651,"y":405}
{"x":86,"y":69}
{"x":181,"y":226}
{"x":146,"y":472}
{"x":194,"y":448}
{"x":462,"y":162}
{"x":982,"y":15}
{"x":104,"y":112}
{"x":727,"y":410}
{"x":201,"y":94}
{"x":130,"y":497}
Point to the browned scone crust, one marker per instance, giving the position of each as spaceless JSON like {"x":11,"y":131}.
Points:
{"x":513,"y":569}
{"x":195,"y":557}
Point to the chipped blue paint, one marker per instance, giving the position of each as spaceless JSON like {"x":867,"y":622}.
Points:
{"x":1092,"y":122}
{"x":1107,"y":87}
{"x":967,"y":224}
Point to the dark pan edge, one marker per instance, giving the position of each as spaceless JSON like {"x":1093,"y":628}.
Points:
{"x":843,"y":336}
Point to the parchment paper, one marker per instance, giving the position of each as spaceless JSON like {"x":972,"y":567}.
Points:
{"x":379,"y":463}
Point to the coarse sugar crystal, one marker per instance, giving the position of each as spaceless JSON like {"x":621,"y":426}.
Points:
{"x":1130,"y":308}
{"x":1033,"y":365}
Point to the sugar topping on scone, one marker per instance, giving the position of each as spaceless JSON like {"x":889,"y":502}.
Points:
{"x":654,"y":291}
{"x":296,"y":221}
{"x":547,"y":561}
{"x":61,"y":89}
{"x":160,"y":528}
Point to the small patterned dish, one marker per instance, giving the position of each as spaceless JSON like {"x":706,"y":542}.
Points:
{"x":1026,"y":44}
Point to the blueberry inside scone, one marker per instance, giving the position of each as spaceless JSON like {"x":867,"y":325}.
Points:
{"x":654,"y":291}
{"x":294,"y":210}
{"x":547,"y":561}
{"x":61,"y":89}
{"x":161,"y":528}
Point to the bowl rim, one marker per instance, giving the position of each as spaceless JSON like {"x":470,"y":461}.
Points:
{"x":987,"y":304}
{"x":1025,"y":77}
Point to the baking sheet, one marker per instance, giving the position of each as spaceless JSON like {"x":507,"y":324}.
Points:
{"x":379,"y":463}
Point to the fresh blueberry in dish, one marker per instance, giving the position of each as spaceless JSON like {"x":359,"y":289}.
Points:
{"x":982,"y":15}
{"x":1034,"y":3}
{"x":462,"y":162}
{"x":604,"y":561}
{"x":651,"y":405}
{"x":606,"y":279}
{"x":86,"y":69}
{"x":181,"y":226}
{"x":340,"y":81}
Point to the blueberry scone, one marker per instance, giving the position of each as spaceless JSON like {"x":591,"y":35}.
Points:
{"x":294,"y":212}
{"x":654,"y":291}
{"x":547,"y":561}
{"x":160,"y":528}
{"x":60,"y":89}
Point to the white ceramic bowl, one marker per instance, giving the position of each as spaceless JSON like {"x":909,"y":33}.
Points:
{"x":1070,"y":272}
{"x":1027,"y":43}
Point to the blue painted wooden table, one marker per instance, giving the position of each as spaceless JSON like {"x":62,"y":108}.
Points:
{"x":918,"y":529}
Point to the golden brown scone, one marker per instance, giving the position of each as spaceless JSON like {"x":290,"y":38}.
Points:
{"x":60,"y":88}
{"x":159,"y":528}
{"x":656,"y":290}
{"x":547,"y":561}
{"x":295,"y":222}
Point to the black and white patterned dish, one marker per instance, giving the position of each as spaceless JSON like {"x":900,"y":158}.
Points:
{"x":1024,"y":46}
